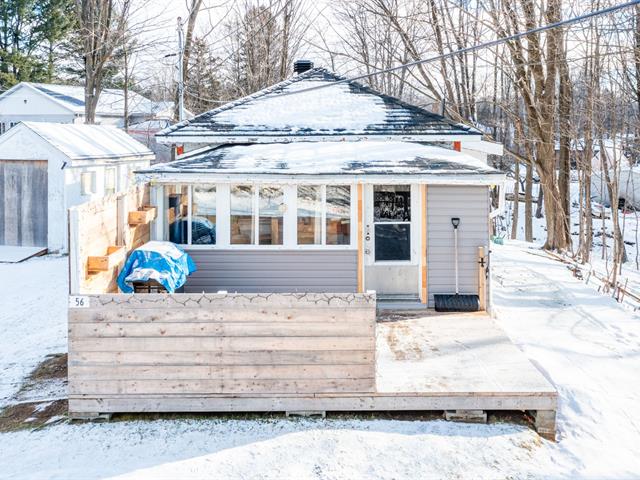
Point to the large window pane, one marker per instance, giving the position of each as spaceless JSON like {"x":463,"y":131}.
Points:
{"x":309,"y":215}
{"x":241,"y":215}
{"x":203,"y":215}
{"x":393,"y":241}
{"x":338,"y":215}
{"x":270,"y":203}
{"x":175,"y":204}
{"x":391,"y":203}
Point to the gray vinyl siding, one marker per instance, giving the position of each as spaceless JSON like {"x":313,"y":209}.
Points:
{"x":471,"y":204}
{"x":278,"y":271}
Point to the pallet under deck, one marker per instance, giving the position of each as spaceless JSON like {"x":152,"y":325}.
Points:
{"x":424,"y":361}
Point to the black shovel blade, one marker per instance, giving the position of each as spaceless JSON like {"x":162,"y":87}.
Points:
{"x":457,"y":303}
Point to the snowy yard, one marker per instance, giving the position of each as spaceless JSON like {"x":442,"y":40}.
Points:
{"x":584,"y":342}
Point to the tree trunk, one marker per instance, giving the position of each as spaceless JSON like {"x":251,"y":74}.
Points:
{"x":528,"y":207}
{"x":516,"y":200}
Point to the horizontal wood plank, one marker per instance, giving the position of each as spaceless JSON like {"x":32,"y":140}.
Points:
{"x":226,"y":315}
{"x":360,"y":328}
{"x":268,"y":357}
{"x":137,"y":387}
{"x":221,"y":372}
{"x":207,"y":344}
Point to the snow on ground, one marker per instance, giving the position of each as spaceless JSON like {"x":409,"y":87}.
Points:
{"x":585,"y":343}
{"x":629,"y":223}
{"x":33,"y":317}
{"x":588,"y":346}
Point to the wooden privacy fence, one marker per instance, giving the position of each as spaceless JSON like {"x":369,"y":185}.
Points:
{"x":149,"y":352}
{"x":101,"y":233}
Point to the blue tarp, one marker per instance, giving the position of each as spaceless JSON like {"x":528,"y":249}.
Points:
{"x":164,"y":262}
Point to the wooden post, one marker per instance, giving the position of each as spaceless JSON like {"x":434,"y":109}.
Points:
{"x":457,"y":146}
{"x":424,"y":293}
{"x":482,"y":278}
{"x":360,"y":241}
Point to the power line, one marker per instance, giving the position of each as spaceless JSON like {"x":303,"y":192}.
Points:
{"x":473,"y":48}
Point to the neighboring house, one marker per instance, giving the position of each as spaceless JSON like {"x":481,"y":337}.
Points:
{"x":338,"y":189}
{"x":164,"y":109}
{"x":38,"y":102}
{"x":145,"y":133}
{"x":45,"y":168}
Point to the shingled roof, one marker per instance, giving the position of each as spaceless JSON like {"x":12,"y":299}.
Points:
{"x":326,"y":158}
{"x":342,"y":111}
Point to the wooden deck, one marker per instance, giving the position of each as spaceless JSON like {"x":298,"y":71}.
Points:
{"x":293,"y":354}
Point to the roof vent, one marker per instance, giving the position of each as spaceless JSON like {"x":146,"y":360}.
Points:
{"x":300,"y":66}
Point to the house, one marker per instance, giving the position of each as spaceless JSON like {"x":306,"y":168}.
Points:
{"x":319,"y":184}
{"x":45,"y":168}
{"x":39,"y":102}
{"x":145,"y":132}
{"x":304,"y":206}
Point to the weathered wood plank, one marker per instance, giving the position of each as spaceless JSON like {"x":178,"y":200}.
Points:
{"x":227,"y":372}
{"x":323,"y":402}
{"x":233,"y":300}
{"x":197,"y":315}
{"x":360,"y":328}
{"x":138,"y":387}
{"x":283,"y":357}
{"x":190,"y":344}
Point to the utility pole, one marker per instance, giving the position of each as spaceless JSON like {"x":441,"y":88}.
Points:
{"x":180,"y":71}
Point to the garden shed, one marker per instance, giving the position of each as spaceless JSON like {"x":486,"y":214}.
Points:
{"x":45,"y":168}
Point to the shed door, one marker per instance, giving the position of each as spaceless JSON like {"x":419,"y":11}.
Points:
{"x":23,"y":203}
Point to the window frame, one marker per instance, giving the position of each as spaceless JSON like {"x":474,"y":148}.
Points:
{"x":92,"y":190}
{"x":290,"y":216}
{"x":409,"y":222}
{"x":107,"y":170}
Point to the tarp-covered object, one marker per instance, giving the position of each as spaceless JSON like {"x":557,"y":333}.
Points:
{"x":163,"y":262}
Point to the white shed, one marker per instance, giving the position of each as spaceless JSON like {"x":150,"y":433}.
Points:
{"x":45,"y":168}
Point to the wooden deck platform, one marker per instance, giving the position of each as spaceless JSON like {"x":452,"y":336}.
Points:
{"x":199,"y":354}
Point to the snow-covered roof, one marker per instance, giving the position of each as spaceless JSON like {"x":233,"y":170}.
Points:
{"x":110,"y":103}
{"x":345,"y":110}
{"x":84,"y":142}
{"x":326,"y":158}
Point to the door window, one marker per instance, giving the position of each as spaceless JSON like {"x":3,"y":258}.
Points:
{"x":392,"y":222}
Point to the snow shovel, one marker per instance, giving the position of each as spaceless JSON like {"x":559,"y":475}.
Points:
{"x":456,"y":302}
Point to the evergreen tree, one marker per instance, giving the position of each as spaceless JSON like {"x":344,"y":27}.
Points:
{"x":30,"y":33}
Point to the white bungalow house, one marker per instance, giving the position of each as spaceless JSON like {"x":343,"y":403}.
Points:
{"x":45,"y":168}
{"x":38,"y":102}
{"x":320,"y":184}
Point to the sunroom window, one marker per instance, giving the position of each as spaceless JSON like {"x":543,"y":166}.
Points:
{"x":309,"y":215}
{"x":203,"y":215}
{"x":176,"y":201}
{"x":241,"y":219}
{"x":338,"y":215}
{"x":270,"y":209}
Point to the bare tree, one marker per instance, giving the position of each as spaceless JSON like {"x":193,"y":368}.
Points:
{"x":102,"y":25}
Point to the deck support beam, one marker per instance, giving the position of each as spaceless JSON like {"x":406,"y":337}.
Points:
{"x":545,"y":423}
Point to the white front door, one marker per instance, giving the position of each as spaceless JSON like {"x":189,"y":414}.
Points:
{"x":392,"y":239}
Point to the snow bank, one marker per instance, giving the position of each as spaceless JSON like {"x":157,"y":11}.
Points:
{"x":33,"y":317}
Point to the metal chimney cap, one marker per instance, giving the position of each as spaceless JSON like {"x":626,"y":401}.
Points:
{"x":300,"y":66}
